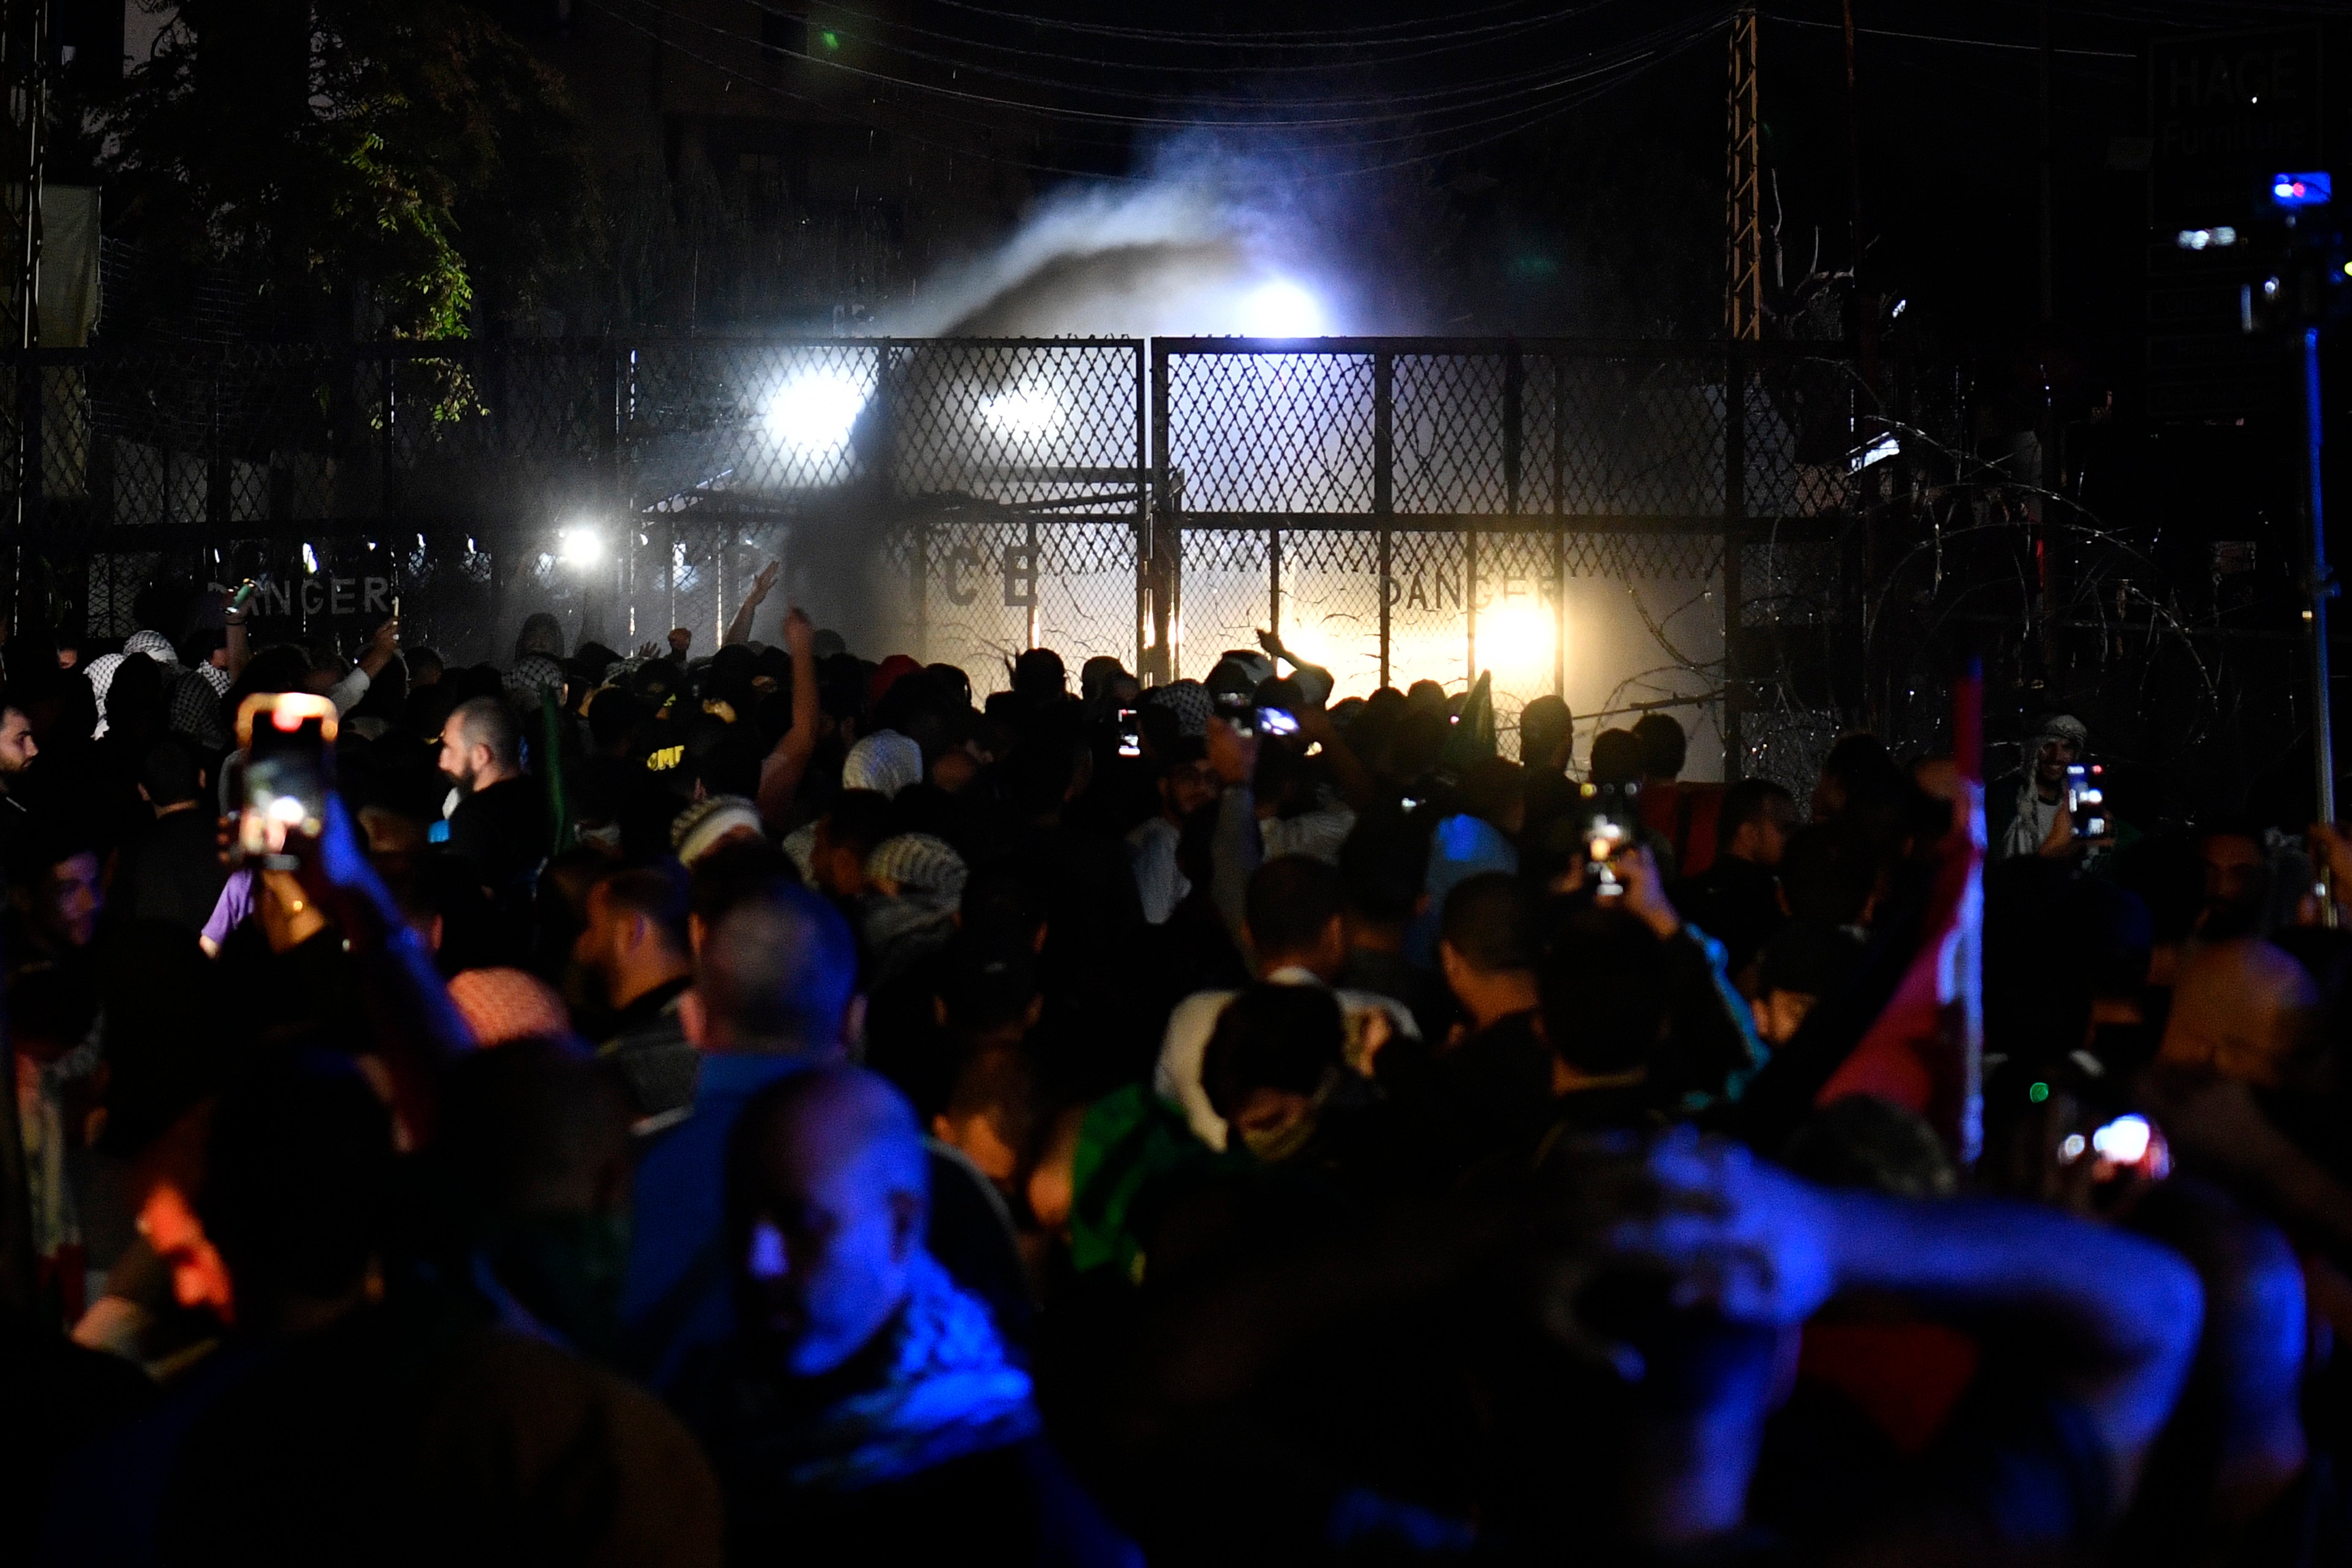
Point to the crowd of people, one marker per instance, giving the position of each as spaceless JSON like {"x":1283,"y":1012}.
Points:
{"x":778,"y":1106}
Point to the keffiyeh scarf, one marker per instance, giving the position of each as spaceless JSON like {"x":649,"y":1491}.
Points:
{"x":950,"y":1391}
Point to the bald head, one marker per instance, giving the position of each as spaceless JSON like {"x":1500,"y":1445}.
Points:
{"x":775,"y":973}
{"x":829,"y":1192}
{"x":2241,"y":1009}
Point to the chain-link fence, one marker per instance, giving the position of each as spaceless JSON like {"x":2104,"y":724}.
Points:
{"x":1400,"y":509}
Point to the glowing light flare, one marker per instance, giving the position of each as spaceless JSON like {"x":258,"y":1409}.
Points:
{"x":1023,"y":412}
{"x":580,"y":547}
{"x":1281,"y":309}
{"x":2123,"y":1141}
{"x":813,"y":414}
{"x":1516,"y":636}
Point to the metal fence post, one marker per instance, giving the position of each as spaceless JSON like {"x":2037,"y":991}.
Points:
{"x":1143,"y":558}
{"x":921,"y":589}
{"x":1384,"y":487}
{"x":1167,"y":536}
{"x":1734,"y":515}
{"x":1273,"y":577}
{"x":1469,"y":605}
{"x":32,"y":477}
{"x":1559,"y":526}
{"x":1514,"y":421}
{"x":388,"y":493}
{"x":219,"y":494}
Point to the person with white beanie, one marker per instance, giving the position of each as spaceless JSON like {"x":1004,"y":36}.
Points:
{"x":884,"y":762}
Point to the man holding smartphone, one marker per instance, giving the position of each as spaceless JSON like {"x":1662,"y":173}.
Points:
{"x":2038,"y":822}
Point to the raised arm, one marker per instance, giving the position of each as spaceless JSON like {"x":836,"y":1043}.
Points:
{"x":241,"y":649}
{"x":412,"y":1023}
{"x":1763,"y":1247}
{"x":1238,"y":845}
{"x":780,"y":770}
{"x":740,"y":628}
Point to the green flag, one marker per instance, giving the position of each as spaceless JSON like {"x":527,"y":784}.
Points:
{"x":1473,"y":736}
{"x":550,"y":768}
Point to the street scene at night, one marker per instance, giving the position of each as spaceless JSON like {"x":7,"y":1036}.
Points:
{"x":795,"y":783}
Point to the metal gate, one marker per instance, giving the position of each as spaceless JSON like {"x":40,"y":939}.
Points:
{"x":1399,"y":509}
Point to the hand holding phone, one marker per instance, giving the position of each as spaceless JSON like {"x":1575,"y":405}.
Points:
{"x":1130,"y":733}
{"x":287,"y":739}
{"x":1239,"y":711}
{"x":2087,"y":799}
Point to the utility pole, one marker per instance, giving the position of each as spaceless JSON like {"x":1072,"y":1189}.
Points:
{"x":1743,"y":281}
{"x":2050,"y":475}
{"x":1866,"y":328}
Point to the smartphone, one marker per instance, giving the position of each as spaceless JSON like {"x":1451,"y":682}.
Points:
{"x":1607,"y":829}
{"x":244,"y":594}
{"x":2086,"y":798}
{"x":1603,"y":836}
{"x":1130,"y":734}
{"x":289,"y":742}
{"x":1238,"y":709}
{"x":1277,"y":721}
{"x":2129,"y":1145}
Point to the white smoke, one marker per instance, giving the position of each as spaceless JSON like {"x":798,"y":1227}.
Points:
{"x":1181,"y":253}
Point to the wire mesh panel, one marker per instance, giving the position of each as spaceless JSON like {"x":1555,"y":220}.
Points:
{"x":1331,"y":605}
{"x":1428,"y":618}
{"x":987,"y":588}
{"x":981,"y":595}
{"x":748,"y":424}
{"x":1085,"y":590}
{"x":1646,"y":640}
{"x":1227,"y":596}
{"x":1048,"y":426}
{"x":1271,"y":432}
{"x":1459,"y":430}
{"x":1642,"y":437}
{"x":1513,"y":621}
{"x":1798,"y":433}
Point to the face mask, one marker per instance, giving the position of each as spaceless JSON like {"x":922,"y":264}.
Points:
{"x":608,"y":835}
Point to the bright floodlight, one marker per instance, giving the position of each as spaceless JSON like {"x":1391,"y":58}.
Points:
{"x":582,"y":546}
{"x":1515,"y":637}
{"x":813,"y":413}
{"x":1023,"y":413}
{"x":1281,"y":309}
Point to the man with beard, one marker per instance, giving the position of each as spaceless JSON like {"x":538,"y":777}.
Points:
{"x":2025,"y":814}
{"x":499,"y":823}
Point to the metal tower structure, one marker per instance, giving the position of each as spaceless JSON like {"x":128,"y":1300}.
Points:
{"x":1744,"y":192}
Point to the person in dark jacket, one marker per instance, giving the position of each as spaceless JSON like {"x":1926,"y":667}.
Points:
{"x":172,"y":872}
{"x":500,"y":822}
{"x":867,"y":1409}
